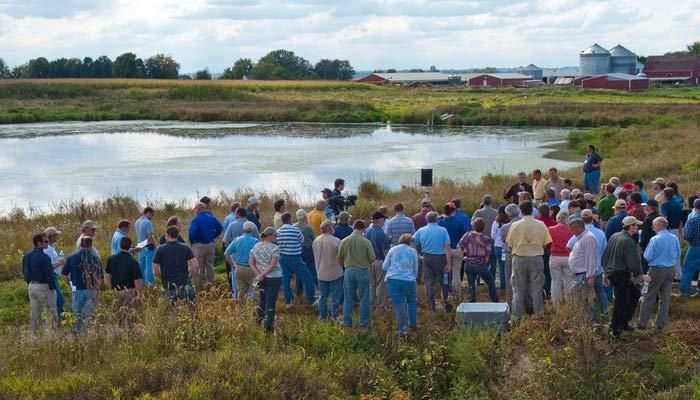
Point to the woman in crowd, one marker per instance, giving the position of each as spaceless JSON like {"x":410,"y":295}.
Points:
{"x":477,"y":250}
{"x":496,"y":235}
{"x":559,"y":257}
{"x":401,"y":266}
{"x":264,"y":260}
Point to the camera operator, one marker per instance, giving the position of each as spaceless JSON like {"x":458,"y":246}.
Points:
{"x":337,"y":201}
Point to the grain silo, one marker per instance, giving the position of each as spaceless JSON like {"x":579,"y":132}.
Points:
{"x":622,"y":60}
{"x":531,"y":70}
{"x":594,"y":60}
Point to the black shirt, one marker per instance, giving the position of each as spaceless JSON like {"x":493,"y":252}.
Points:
{"x":513,"y":192}
{"x":124,"y":270}
{"x":172,"y":258}
{"x":647,"y":231}
{"x":179,"y":239}
{"x":36,"y":267}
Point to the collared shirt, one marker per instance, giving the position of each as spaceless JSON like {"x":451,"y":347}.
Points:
{"x":116,"y":241}
{"x":289,"y":240}
{"x":36,"y":267}
{"x":528,"y":237}
{"x":673,"y":213}
{"x":84,"y":269}
{"x":94,"y":249}
{"x":124,"y":270}
{"x":227,"y":221}
{"x":263,"y":253}
{"x":464,"y":219}
{"x":664,"y":250}
{"x":239,"y":249}
{"x":401,"y":263}
{"x":204,"y":229}
{"x":593,"y":158}
{"x":316,"y":218}
{"x":505,"y":229}
{"x":496,"y":234}
{"x":691,"y":231}
{"x":557,"y":185}
{"x":477,"y":248}
{"x":50,"y":251}
{"x":455,"y":229}
{"x":308,"y":233}
{"x":615,"y":224}
{"x":432,"y":239}
{"x":235,"y":229}
{"x":547,"y":220}
{"x":326,"y":257}
{"x":253,"y":216}
{"x":398,"y":226}
{"x":621,"y":255}
{"x":513,"y":192}
{"x":560,"y":234}
{"x":647,"y":231}
{"x":342,"y":231}
{"x":539,"y":192}
{"x":356,"y":252}
{"x":419,"y":220}
{"x":144,"y":228}
{"x":564,"y":205}
{"x":637,"y":211}
{"x":645,"y":196}
{"x":488,"y":214}
{"x":584,"y":255}
{"x":379,"y":240}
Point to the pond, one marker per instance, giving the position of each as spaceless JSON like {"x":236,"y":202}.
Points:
{"x":44,"y":164}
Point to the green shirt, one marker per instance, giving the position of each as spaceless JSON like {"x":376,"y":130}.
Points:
{"x":605,"y":207}
{"x":621,"y":255}
{"x":308,"y":233}
{"x":356,"y":252}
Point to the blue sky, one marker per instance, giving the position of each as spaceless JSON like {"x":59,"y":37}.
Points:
{"x":371,"y":34}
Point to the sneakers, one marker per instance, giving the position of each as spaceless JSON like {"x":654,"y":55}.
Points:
{"x":315,"y":304}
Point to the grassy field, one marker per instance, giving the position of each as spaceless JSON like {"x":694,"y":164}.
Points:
{"x":119,"y":99}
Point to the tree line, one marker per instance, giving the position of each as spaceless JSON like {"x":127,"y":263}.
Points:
{"x":285,"y":65}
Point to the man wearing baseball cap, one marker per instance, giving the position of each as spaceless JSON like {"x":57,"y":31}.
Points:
{"x":57,"y":262}
{"x":615,"y":223}
{"x":621,"y":258}
{"x":419,"y":220}
{"x":651,"y":209}
{"x":378,"y":292}
{"x":88,"y":229}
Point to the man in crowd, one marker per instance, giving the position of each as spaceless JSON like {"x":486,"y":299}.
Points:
{"x":637,"y":209}
{"x":399,"y":225}
{"x":122,"y":231}
{"x":343,"y":228}
{"x":519,"y":186}
{"x":88,"y":229}
{"x":336,"y":196}
{"x":203,"y":231}
{"x":290,"y":241}
{"x":330,"y":273}
{"x":691,"y":234}
{"x":39,"y":275}
{"x":83,"y":273}
{"x":252,"y":212}
{"x":662,"y":254}
{"x":235,"y":228}
{"x":639,"y":188}
{"x":565,"y":196}
{"x":455,"y":229}
{"x":621,"y":258}
{"x":583,"y":261}
{"x":527,"y":239}
{"x":606,"y":205}
{"x":615,"y":223}
{"x":57,"y":261}
{"x":673,"y":211}
{"x":144,"y":232}
{"x":307,"y":251}
{"x":419,"y":219}
{"x":176,"y":266}
{"x":328,"y":211}
{"x":651,"y":211}
{"x":433,"y":243}
{"x":238,"y":255}
{"x":280,"y":208}
{"x":539,"y":191}
{"x":378,"y":292}
{"x":123,"y":275}
{"x":461,"y":216}
{"x":355,"y":254}
{"x":230,"y":217}
{"x":514,"y":215}
{"x":555,"y":182}
{"x":601,"y":290}
{"x":316,"y":217}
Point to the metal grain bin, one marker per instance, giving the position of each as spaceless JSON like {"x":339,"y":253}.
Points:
{"x":594,"y":60}
{"x":622,"y":61}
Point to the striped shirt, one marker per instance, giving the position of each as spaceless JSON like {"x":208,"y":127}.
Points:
{"x":289,"y":240}
{"x":398,"y":226}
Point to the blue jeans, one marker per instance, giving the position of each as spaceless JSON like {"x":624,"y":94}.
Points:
{"x":591,"y":181}
{"x":307,"y":255}
{"x":234,"y":282}
{"x":498,"y":252}
{"x":403,"y":295}
{"x":475,"y":272}
{"x":84,"y":303}
{"x":294,"y":265}
{"x":269,"y":290}
{"x":356,"y":283}
{"x":145,"y":261}
{"x":334,"y":290}
{"x":601,"y":294}
{"x":60,"y":300}
{"x":690,"y":266}
{"x":174,"y":294}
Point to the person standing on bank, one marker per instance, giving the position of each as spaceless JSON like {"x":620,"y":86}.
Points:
{"x":121,"y":232}
{"x":401,"y":266}
{"x":41,"y":281}
{"x":378,"y":292}
{"x":123,"y":275}
{"x":591,"y":170}
{"x":456,"y":230}
{"x":144,"y":232}
{"x":176,"y":265}
{"x":238,"y":255}
{"x":356,"y":255}
{"x":203,"y":231}
{"x":290,"y":241}
{"x":264,"y":261}
{"x":57,"y":262}
{"x":330,"y":273}
{"x":88,"y":229}
{"x":477,"y":248}
{"x":433,"y":243}
{"x":83,"y":272}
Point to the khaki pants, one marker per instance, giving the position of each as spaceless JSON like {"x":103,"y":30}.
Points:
{"x":378,"y":294}
{"x":561,"y":277}
{"x":244,"y":278}
{"x":528,"y":277}
{"x":457,"y":258}
{"x":661,"y":282}
{"x":205,"y":258}
{"x":42,"y":298}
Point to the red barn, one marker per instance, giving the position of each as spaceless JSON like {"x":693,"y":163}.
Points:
{"x":498,"y":79}
{"x":614,"y":81}
{"x":374,"y":79}
{"x":685,"y":69}
{"x":406,"y":78}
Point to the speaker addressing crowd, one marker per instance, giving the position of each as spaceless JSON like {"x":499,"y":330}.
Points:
{"x":550,"y":243}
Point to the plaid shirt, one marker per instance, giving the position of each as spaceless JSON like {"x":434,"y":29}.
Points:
{"x":691,"y":231}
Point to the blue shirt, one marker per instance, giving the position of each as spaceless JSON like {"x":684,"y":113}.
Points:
{"x":455,"y":229}
{"x":398,"y":226}
{"x":84,"y":269}
{"x":328,"y":212}
{"x":432,"y":239}
{"x":664,"y":250}
{"x":615,"y":224}
{"x":342,"y":231}
{"x":235,"y":229}
{"x":673,"y":213}
{"x":401,"y":263}
{"x":144,"y":228}
{"x":465,"y":220}
{"x":204,"y":228}
{"x":379,"y":240}
{"x":229,"y":218}
{"x":553,"y":201}
{"x":289,"y":240}
{"x":36,"y":267}
{"x":691,"y":231}
{"x":601,"y":241}
{"x":240,"y":249}
{"x":645,"y":196}
{"x":116,"y":241}
{"x":252,"y":216}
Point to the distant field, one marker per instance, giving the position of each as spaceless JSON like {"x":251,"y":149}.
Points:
{"x":322,"y":101}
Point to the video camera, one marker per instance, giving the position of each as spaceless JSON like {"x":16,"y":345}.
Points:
{"x":340,"y":203}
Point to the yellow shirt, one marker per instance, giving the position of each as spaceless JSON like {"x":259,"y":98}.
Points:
{"x":527,"y":237}
{"x":316,"y":217}
{"x":539,"y":192}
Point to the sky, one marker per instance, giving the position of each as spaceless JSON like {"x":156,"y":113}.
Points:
{"x":370,"y":34}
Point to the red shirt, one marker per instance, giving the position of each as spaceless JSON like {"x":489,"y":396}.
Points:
{"x":547,"y":220}
{"x":560,"y":237}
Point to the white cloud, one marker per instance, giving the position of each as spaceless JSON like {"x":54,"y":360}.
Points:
{"x":370,"y":33}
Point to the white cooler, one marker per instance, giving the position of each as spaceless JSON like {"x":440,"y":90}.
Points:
{"x":483,"y":315}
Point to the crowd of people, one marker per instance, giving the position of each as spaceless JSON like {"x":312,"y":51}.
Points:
{"x":552,"y":242}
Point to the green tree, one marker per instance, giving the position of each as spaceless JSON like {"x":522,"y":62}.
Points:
{"x":87,"y":68}
{"x":161,"y":66}
{"x":203,"y":75}
{"x":334,"y":70}
{"x":241,"y":68}
{"x":126,"y":66}
{"x":102,"y":67}
{"x":282,"y":64}
{"x":39,"y":68}
{"x":73,"y":68}
{"x":140,"y":68}
{"x":694,"y":48}
{"x":642,"y":59}
{"x":391,"y":71}
{"x":20,"y":71}
{"x":4,"y":70}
